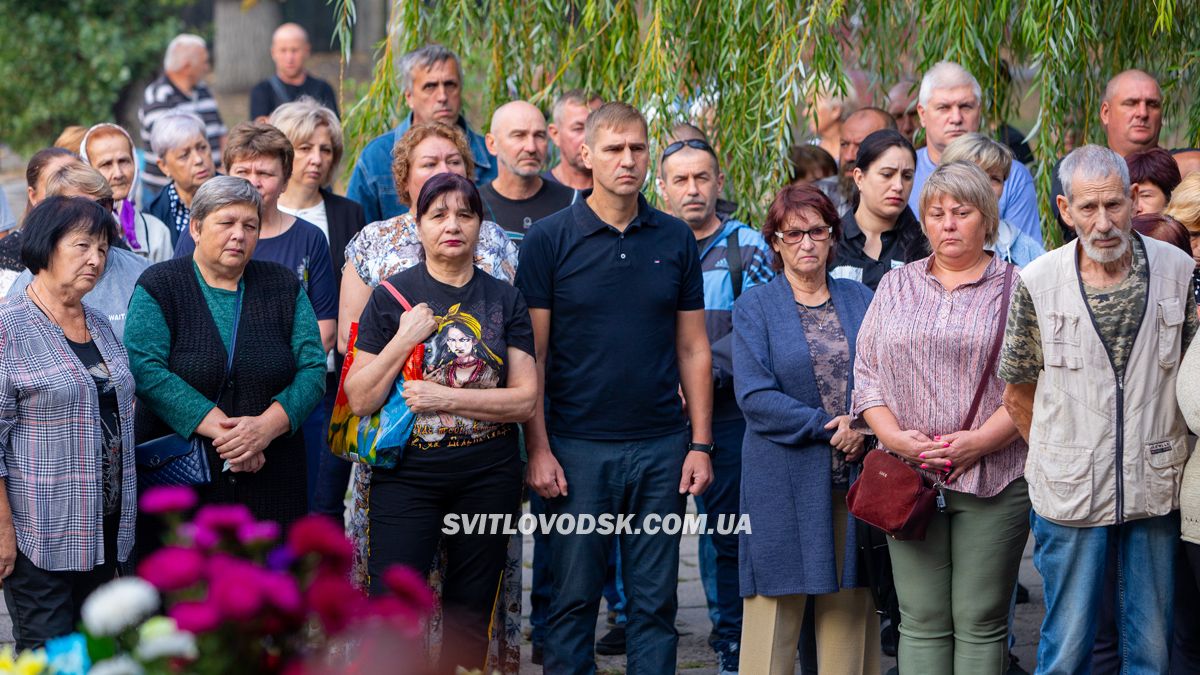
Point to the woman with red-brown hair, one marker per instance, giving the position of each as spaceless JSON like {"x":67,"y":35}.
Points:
{"x":793,"y":360}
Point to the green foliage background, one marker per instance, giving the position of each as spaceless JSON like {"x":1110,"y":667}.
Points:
{"x":66,"y":62}
{"x":760,"y":58}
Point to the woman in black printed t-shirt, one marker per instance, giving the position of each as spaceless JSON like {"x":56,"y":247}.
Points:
{"x":478,"y":380}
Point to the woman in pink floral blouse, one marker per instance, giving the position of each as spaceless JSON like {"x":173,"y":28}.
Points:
{"x":923,"y":350}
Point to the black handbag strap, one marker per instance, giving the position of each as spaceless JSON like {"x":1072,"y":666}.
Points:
{"x":990,"y":367}
{"x":237,"y":319}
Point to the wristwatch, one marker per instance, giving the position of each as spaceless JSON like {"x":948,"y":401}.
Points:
{"x":706,"y":448}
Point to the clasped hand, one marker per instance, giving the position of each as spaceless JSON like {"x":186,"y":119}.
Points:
{"x":846,"y":440}
{"x":951,"y":454}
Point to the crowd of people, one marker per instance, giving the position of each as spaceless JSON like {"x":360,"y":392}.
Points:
{"x":593,"y":354}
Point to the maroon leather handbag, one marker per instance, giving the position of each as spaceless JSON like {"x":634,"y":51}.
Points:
{"x":892,"y":495}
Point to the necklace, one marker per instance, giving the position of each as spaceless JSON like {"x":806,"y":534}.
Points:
{"x":818,"y":319}
{"x":41,"y":304}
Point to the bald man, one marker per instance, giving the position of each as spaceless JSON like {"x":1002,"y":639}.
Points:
{"x":519,"y":196}
{"x":861,"y":123}
{"x":290,"y":50}
{"x":1131,"y":114}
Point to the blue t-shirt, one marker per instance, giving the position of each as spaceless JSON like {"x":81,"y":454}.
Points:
{"x":613,"y":297}
{"x":302,"y":249}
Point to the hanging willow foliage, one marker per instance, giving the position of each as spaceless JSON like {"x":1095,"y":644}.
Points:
{"x":744,"y":67}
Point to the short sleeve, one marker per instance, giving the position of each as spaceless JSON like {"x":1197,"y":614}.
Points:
{"x":379,"y":321}
{"x":518,"y":332}
{"x":535,"y":273}
{"x":1021,"y":356}
{"x":691,"y":287}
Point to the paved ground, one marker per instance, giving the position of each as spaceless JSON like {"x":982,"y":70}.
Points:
{"x":696,"y":658}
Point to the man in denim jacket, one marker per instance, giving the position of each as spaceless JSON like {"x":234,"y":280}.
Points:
{"x":432,"y":85}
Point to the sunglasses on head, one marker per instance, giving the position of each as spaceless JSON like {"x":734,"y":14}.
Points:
{"x":693,"y":143}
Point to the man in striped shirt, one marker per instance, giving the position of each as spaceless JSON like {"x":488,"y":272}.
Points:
{"x":180,"y":89}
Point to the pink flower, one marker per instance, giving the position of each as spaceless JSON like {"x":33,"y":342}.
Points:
{"x":335,"y":600}
{"x":261,"y":532}
{"x":196,"y":617}
{"x":281,"y":592}
{"x":324,"y":537}
{"x":173,"y":568}
{"x":168,"y":499}
{"x":223,"y":517}
{"x":200,"y":537}
{"x":398,"y":614}
{"x":410,"y":588}
{"x":238,"y":597}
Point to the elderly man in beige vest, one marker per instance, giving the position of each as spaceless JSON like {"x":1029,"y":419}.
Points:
{"x":1095,"y":335}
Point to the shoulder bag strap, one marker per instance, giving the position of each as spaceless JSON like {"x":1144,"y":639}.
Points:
{"x":990,"y":367}
{"x":237,"y":319}
{"x":396,"y":294}
{"x":277,"y":87}
{"x":733,"y":259}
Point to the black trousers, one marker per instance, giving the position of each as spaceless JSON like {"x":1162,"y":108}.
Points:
{"x":45,"y":604}
{"x":1185,"y":646}
{"x":407,"y":509}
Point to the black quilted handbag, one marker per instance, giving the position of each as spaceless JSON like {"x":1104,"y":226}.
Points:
{"x":173,"y":459}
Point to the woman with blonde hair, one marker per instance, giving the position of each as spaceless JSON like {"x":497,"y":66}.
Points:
{"x":316,"y":137}
{"x":1185,"y":207}
{"x":114,"y":288}
{"x":925,"y":382}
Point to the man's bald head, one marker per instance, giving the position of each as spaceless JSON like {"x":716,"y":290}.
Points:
{"x":290,"y":49}
{"x":860,"y":124}
{"x":518,"y":138}
{"x":1131,"y":112}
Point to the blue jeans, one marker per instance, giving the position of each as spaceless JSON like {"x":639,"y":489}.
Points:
{"x":616,"y":477}
{"x":722,"y":500}
{"x":540,"y":588}
{"x":1071,"y":561}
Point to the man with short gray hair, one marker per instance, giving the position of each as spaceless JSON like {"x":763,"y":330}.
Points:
{"x":948,"y":104}
{"x":431,"y":79}
{"x":180,"y":88}
{"x":1092,"y":348}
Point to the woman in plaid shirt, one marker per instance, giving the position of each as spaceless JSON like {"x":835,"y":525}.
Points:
{"x":66,"y":426}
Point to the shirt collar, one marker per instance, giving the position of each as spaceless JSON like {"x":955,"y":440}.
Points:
{"x":591,"y":223}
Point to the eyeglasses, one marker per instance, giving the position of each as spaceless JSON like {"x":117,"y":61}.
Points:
{"x":796,"y":236}
{"x":693,"y":143}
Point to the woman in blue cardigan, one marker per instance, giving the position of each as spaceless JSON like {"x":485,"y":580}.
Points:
{"x":793,"y":361}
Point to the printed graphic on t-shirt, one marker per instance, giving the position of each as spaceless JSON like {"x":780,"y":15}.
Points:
{"x":457,"y":356}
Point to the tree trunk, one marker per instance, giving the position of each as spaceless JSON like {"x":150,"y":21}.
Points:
{"x":371,"y":26}
{"x":242,"y":50}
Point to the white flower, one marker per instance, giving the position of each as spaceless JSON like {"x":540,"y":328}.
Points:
{"x":173,"y":645}
{"x":118,"y":605}
{"x":117,"y":665}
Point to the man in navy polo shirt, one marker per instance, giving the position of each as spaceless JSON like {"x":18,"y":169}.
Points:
{"x":617,"y":301}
